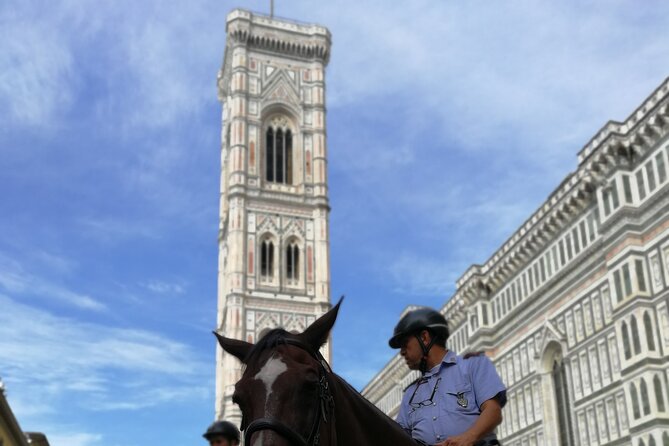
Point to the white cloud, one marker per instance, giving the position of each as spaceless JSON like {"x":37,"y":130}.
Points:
{"x":161,"y":287}
{"x":415,"y":274}
{"x":474,"y":70}
{"x":148,"y":397}
{"x":60,"y":438}
{"x":92,"y":365}
{"x":36,"y":68}
{"x":113,"y":229}
{"x":16,"y":280}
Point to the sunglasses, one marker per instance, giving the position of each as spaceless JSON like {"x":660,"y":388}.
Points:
{"x":427,"y":402}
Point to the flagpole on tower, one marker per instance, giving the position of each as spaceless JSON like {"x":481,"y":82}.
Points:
{"x":271,"y":8}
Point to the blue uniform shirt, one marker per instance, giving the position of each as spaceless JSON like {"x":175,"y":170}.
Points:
{"x":447,"y":400}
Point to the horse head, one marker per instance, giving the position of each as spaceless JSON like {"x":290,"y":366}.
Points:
{"x":284,"y":391}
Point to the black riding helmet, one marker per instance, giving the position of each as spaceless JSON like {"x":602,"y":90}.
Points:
{"x":417,"y":320}
{"x":222,"y":428}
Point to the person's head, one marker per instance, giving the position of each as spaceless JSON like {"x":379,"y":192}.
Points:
{"x":415,"y":335}
{"x":222,"y":433}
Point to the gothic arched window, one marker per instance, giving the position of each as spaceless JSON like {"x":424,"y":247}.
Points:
{"x":635,"y":336}
{"x":292,"y":262}
{"x":651,"y":441}
{"x":626,"y":342}
{"x":648,"y":326}
{"x":665,"y":439}
{"x":279,"y":152}
{"x":267,"y":259}
{"x":645,"y":402}
{"x":659,"y":399}
{"x":635,"y":402}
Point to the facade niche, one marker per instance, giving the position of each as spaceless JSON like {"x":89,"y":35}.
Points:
{"x":562,"y":402}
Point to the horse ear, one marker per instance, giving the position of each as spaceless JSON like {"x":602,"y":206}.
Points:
{"x":317,"y":333}
{"x":235,"y":347}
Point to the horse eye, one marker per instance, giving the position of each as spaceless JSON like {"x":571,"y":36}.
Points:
{"x":236,"y":399}
{"x":311,"y":377}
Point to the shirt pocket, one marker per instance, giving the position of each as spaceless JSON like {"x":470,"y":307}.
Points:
{"x":460,"y":399}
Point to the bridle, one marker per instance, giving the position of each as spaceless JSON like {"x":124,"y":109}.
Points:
{"x":325,"y":403}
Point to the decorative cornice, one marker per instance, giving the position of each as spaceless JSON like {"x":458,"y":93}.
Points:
{"x":271,"y":35}
{"x":616,"y":145}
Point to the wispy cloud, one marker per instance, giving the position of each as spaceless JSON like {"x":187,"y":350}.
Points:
{"x":513,"y":77}
{"x":161,"y":287}
{"x":111,"y":229}
{"x":58,"y":437}
{"x":16,"y":280}
{"x":417,"y":275}
{"x":94,"y":365}
{"x":37,"y":77}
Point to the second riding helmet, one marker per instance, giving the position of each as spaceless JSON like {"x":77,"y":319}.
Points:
{"x":417,"y":320}
{"x":222,"y":428}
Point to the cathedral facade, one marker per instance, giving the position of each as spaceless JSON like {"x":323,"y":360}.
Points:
{"x":273,"y":262}
{"x":573,"y":308}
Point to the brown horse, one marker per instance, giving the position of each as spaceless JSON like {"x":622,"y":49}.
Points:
{"x":289,"y":396}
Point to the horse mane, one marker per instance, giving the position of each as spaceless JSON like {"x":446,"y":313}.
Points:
{"x":272,"y":339}
{"x":377,"y":429}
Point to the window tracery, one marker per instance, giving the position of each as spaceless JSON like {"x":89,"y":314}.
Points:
{"x":279,"y":151}
{"x":635,"y":402}
{"x":626,"y":341}
{"x":292,"y":262}
{"x":267,"y":260}
{"x":645,"y":402}
{"x":659,"y":398}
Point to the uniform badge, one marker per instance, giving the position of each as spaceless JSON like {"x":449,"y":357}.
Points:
{"x":462,"y":401}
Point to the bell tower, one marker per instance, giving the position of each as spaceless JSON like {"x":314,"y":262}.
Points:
{"x":274,"y":262}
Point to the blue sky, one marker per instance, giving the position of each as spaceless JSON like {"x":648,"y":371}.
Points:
{"x":449,"y":122}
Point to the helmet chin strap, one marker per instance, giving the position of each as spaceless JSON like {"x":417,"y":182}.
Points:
{"x":426,"y":351}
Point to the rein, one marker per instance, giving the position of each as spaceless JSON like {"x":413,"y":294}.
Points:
{"x":325,"y":403}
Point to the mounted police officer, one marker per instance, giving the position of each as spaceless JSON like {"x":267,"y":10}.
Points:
{"x":458,"y":400}
{"x":222,"y":433}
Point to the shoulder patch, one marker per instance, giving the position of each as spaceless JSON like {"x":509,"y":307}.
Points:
{"x":472,"y":354}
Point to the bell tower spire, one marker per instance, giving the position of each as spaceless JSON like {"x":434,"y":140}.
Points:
{"x":274,"y":261}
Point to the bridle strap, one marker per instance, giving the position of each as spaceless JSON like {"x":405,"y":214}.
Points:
{"x":277,"y":426}
{"x":325,"y":406}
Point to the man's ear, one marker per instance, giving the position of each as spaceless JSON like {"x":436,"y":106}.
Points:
{"x":425,"y":337}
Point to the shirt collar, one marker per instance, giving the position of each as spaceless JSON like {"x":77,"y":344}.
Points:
{"x":449,"y":358}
